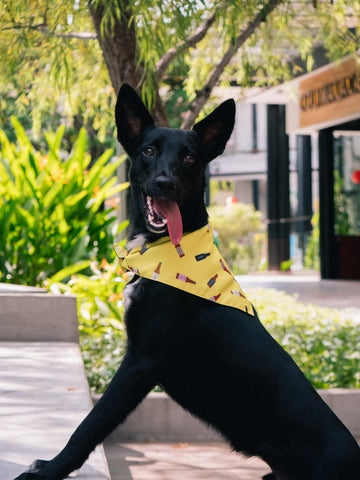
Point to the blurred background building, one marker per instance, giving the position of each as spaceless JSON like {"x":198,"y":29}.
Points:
{"x":295,"y":154}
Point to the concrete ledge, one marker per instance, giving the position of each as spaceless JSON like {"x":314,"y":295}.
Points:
{"x":345,"y":402}
{"x":160,"y":419}
{"x":14,"y":288}
{"x":44,"y":396}
{"x":38,"y":317}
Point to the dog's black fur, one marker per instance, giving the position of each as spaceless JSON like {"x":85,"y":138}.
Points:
{"x":217,"y":362}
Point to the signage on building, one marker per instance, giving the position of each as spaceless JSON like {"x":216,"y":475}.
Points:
{"x":330,"y":94}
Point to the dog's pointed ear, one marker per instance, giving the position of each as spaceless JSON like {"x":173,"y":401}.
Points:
{"x":131,"y":116}
{"x":215,"y":130}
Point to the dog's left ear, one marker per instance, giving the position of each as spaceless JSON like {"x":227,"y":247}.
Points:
{"x":215,"y":130}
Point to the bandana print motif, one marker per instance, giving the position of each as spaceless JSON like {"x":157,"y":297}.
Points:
{"x":195,"y":266}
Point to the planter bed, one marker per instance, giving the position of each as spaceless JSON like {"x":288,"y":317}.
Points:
{"x":160,"y":419}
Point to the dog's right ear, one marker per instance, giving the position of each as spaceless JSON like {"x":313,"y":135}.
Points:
{"x":131,"y":116}
{"x":214,"y":130}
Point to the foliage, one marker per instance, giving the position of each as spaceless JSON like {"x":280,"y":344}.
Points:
{"x":51,"y":213}
{"x":176,"y":102}
{"x":342,"y":223}
{"x":101,"y":328}
{"x":312,"y":251}
{"x":54,"y":75}
{"x":324,"y":342}
{"x":62,"y":68}
{"x":286,"y":265}
{"x":241,"y":235}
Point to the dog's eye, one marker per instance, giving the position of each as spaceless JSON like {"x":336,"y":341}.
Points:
{"x":189,"y":159}
{"x":149,"y":151}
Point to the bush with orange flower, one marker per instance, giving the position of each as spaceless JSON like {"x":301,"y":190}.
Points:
{"x":100,"y":312}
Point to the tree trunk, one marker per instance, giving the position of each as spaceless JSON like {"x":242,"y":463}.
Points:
{"x":118,"y":44}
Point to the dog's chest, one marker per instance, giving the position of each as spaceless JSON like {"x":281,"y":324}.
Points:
{"x":156,"y":313}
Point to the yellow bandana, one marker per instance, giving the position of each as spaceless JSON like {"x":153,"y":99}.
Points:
{"x":195,"y":266}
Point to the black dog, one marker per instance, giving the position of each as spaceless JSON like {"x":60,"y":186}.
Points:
{"x":216,"y":361}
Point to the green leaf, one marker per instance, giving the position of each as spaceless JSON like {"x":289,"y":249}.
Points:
{"x":8,"y":171}
{"x":22,"y":138}
{"x":25,"y":216}
{"x":68,"y":272}
{"x":74,"y":199}
{"x":32,"y":162}
{"x":79,"y":151}
{"x":96,"y":170}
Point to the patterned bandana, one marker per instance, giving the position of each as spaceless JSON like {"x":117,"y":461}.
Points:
{"x":195,"y":266}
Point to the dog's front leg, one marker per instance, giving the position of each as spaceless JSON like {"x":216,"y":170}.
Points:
{"x":133,"y":380}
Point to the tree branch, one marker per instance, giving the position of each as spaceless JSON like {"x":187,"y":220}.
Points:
{"x":214,"y":76}
{"x":79,"y":35}
{"x":164,"y":62}
{"x":41,"y":27}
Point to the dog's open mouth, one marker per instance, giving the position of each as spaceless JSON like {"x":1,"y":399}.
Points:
{"x":162,"y":214}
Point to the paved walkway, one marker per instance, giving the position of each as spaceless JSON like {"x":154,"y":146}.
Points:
{"x":182,"y":461}
{"x":309,"y":288}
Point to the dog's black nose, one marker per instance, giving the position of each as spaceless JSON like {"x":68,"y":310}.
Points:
{"x":164,"y":184}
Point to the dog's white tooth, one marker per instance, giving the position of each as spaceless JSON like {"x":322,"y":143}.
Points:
{"x":149,"y":204}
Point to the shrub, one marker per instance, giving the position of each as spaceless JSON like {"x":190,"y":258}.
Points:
{"x":324,"y":342}
{"x":241,"y":236}
{"x":311,"y":257}
{"x":100,"y":313}
{"x":51,"y":211}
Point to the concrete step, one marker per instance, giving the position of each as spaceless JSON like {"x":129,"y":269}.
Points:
{"x":37,"y":317}
{"x":44,"y":393}
{"x":43,"y":397}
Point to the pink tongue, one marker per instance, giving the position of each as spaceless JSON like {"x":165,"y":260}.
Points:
{"x":171,"y":211}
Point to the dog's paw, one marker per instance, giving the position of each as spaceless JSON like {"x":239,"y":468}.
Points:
{"x":29,"y":476}
{"x":38,"y":465}
{"x":34,"y":472}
